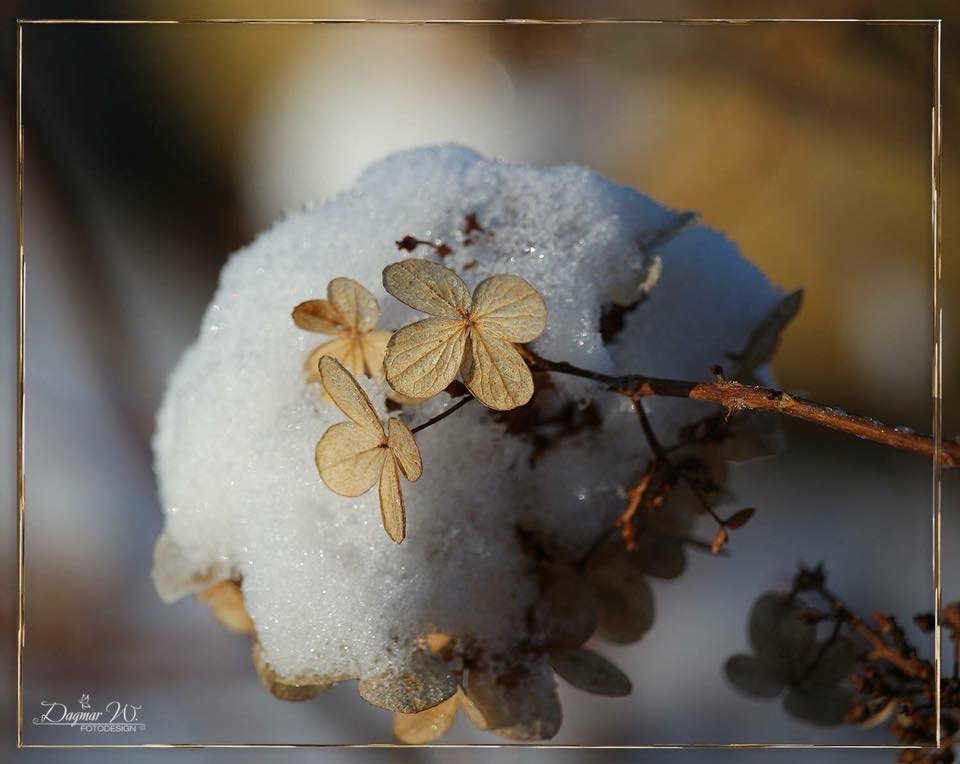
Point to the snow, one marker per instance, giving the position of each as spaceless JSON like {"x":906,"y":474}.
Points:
{"x":329,"y":592}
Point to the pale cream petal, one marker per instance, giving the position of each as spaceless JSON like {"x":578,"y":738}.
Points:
{"x":423,"y":683}
{"x":358,"y":307}
{"x":347,"y":394}
{"x":225,"y":601}
{"x":495,"y":372}
{"x":341,"y":348}
{"x":427,"y":286}
{"x":405,"y":449}
{"x":374,"y":348}
{"x":508,"y":307}
{"x":319,"y":316}
{"x":392,"y":511}
{"x":423,"y":358}
{"x":474,"y":714}
{"x":349,"y":458}
{"x":426,"y":726}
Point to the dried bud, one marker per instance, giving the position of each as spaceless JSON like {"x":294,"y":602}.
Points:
{"x":810,"y":579}
{"x":739,"y":518}
{"x":720,"y":538}
{"x":408,"y":243}
{"x":884,"y":622}
{"x":470,"y":223}
{"x":924,"y":622}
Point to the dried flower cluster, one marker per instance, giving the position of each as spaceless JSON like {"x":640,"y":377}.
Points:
{"x":863,"y":673}
{"x":571,"y":481}
{"x":473,"y":336}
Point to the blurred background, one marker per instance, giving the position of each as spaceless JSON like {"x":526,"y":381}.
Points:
{"x":153,"y":152}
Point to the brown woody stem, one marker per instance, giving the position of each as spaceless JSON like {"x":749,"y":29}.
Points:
{"x":735,"y":396}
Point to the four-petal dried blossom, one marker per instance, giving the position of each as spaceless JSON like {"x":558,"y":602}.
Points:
{"x":349,"y":315}
{"x":352,"y":456}
{"x":474,"y":336}
{"x":788,"y":660}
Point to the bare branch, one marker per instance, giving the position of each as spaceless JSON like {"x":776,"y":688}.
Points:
{"x":735,"y":396}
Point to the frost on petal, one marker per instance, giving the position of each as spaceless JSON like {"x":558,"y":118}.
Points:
{"x":423,"y":358}
{"x":349,"y":458}
{"x":359,"y":308}
{"x":427,"y":287}
{"x":523,"y":705}
{"x":508,"y":307}
{"x":495,"y":372}
{"x":373,"y":345}
{"x":225,"y":601}
{"x":405,"y":449}
{"x":590,"y":672}
{"x":320,"y":316}
{"x":346,"y":393}
{"x":422,"y":683}
{"x":392,"y":511}
{"x":426,"y":726}
{"x":285,"y":689}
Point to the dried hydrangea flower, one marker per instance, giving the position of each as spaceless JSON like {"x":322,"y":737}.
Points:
{"x":340,"y":599}
{"x":350,"y":315}
{"x":352,"y":456}
{"x":473,"y":335}
{"x":788,"y":657}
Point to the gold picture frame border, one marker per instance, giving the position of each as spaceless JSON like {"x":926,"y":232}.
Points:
{"x":936,"y":150}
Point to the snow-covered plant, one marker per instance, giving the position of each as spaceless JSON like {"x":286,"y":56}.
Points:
{"x":532,"y":518}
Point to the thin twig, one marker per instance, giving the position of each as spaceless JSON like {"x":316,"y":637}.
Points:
{"x":735,"y":396}
{"x":443,"y":414}
{"x":909,"y":665}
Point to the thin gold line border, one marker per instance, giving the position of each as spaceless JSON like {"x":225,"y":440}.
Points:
{"x":937,"y":362}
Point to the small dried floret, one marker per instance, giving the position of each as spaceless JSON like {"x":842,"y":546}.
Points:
{"x":474,"y":336}
{"x":789,"y":660}
{"x":352,"y":456}
{"x":350,"y":315}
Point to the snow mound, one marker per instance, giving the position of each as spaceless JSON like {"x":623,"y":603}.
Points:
{"x":330,"y":594}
